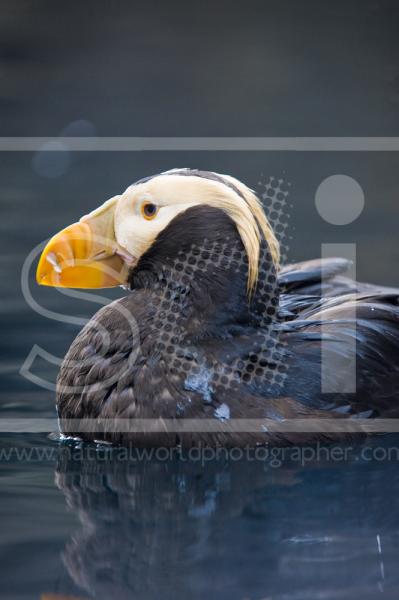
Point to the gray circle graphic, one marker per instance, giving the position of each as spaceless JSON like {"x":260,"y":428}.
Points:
{"x":339,"y":199}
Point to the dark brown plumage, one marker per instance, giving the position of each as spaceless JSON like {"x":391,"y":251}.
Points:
{"x":197,"y":364}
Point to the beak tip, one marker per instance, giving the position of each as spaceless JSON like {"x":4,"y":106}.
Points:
{"x":75,"y":258}
{"x":42,"y":271}
{"x":41,"y":280}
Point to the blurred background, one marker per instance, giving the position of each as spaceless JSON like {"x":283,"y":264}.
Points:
{"x":255,"y":68}
{"x":259,"y":68}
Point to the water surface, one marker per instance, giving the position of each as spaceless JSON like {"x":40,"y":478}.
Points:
{"x":93,"y":523}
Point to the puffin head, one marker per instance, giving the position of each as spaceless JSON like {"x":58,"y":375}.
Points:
{"x":102,"y":248}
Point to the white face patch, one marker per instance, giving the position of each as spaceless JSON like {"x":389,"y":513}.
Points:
{"x":136,"y":233}
{"x":173,"y":194}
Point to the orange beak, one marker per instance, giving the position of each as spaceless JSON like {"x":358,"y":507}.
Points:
{"x":85,"y":254}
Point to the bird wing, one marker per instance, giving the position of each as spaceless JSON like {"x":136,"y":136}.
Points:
{"x":299,"y":276}
{"x":355,"y":327}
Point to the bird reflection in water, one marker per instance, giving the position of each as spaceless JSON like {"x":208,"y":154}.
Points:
{"x":235,"y":529}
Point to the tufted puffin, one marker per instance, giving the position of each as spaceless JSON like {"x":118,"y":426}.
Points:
{"x":215,"y":343}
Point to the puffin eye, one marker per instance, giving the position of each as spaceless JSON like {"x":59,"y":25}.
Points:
{"x":149,"y":210}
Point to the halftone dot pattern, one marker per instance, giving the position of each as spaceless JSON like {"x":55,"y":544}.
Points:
{"x":264,"y":361}
{"x":274,"y":197}
{"x":173,"y":339}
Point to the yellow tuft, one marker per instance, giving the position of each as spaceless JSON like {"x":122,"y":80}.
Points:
{"x":265,"y":228}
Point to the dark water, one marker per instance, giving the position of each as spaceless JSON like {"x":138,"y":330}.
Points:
{"x":91,"y":524}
